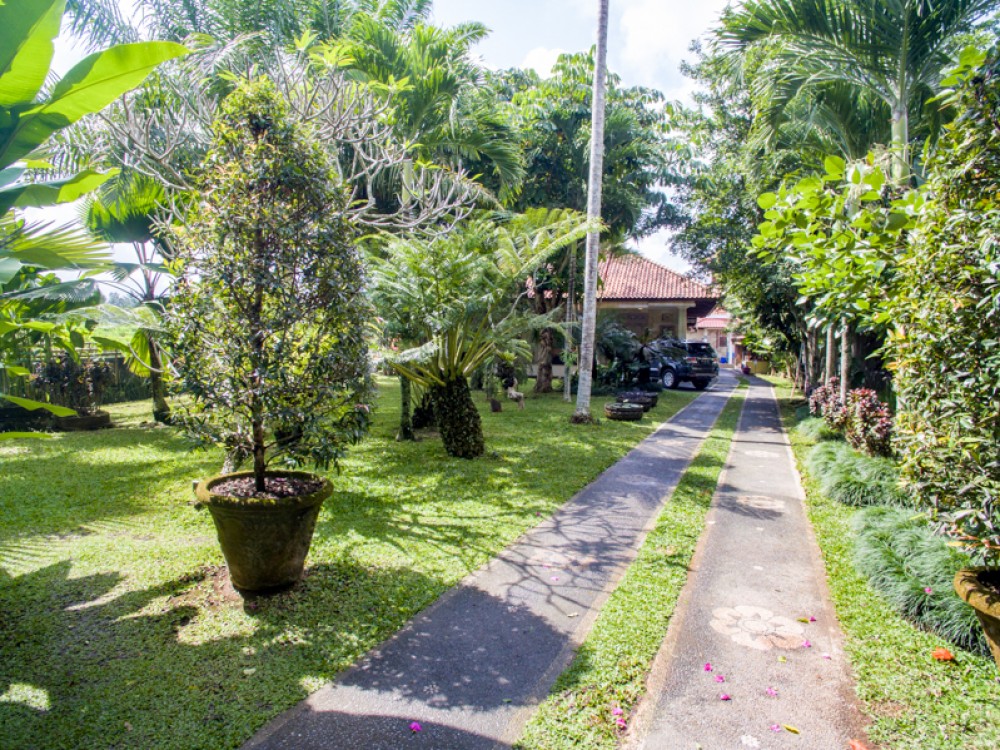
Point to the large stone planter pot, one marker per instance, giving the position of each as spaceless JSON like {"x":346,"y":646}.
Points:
{"x":646,"y":400}
{"x":265,"y":542}
{"x":969,"y":584}
{"x":99,"y":420}
{"x":623,"y":412}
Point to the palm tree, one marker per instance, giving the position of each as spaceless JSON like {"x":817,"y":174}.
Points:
{"x":895,"y":50}
{"x":462,"y":292}
{"x":594,"y":215}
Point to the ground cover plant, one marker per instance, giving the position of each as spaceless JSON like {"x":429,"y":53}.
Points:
{"x":852,"y":478}
{"x":915,"y":701}
{"x":590,"y":702}
{"x":116,"y":625}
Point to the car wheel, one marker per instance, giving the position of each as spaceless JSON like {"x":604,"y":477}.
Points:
{"x":669,"y":378}
{"x":700,"y":384}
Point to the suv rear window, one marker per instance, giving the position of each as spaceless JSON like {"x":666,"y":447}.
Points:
{"x":700,"y":349}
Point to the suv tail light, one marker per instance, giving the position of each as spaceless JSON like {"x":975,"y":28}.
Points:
{"x":691,"y":360}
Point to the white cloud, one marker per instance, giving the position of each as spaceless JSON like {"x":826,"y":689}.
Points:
{"x":541,"y":59}
{"x":655,"y":37}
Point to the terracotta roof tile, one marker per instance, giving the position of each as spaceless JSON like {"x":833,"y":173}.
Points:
{"x":632,"y":277}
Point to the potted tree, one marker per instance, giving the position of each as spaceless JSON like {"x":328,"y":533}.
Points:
{"x":267,"y":329}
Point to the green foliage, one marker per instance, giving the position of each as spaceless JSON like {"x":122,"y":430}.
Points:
{"x":946,"y":307}
{"x":854,"y":479}
{"x":903,"y":558}
{"x":268,"y":320}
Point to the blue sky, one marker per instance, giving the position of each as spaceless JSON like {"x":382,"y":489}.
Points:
{"x":647,"y":40}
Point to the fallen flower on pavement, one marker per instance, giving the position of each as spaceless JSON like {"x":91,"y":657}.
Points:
{"x":725,"y":697}
{"x":719,"y":678}
{"x":708,"y":667}
{"x":415,"y":726}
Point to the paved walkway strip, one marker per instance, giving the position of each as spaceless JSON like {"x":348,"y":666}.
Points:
{"x":471,"y":668}
{"x":753,"y":658}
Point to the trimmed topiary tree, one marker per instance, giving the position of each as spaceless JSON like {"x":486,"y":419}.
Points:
{"x":947,"y":339}
{"x":267,"y":321}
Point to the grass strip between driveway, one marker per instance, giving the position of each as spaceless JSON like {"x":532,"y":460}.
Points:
{"x":914,"y":701}
{"x":610,"y":668}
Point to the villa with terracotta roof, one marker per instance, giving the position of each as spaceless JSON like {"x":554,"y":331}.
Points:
{"x":652,"y":301}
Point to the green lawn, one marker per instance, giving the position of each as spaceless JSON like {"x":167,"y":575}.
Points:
{"x":915,"y":702}
{"x":610,"y":668}
{"x":116,"y":629}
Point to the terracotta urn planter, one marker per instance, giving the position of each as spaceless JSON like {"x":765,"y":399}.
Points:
{"x":980,"y":589}
{"x":265,"y":542}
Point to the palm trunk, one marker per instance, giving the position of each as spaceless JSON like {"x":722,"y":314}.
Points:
{"x":586,"y":368}
{"x":543,"y":362}
{"x":405,"y":408}
{"x":161,"y":409}
{"x":829,"y":354}
{"x":458,"y":420}
{"x":570,"y":312}
{"x":900,"y":142}
{"x":845,"y":361}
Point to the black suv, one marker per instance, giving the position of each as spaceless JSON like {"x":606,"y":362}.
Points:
{"x":672,"y":362}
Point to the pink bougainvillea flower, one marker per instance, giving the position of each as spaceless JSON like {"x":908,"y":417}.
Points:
{"x":415,"y":726}
{"x":621,"y":722}
{"x":708,"y":667}
{"x":806,"y":644}
{"x":719,"y":678}
{"x":725,"y":697}
{"x":616,"y":711}
{"x":928,"y":590}
{"x":555,"y":578}
{"x":812,"y":619}
{"x":826,"y":656}
{"x":771,"y":691}
{"x":775,"y":727}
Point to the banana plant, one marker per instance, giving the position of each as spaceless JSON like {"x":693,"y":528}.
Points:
{"x":32,"y":109}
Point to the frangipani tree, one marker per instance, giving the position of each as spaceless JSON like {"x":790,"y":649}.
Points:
{"x":461,"y":292}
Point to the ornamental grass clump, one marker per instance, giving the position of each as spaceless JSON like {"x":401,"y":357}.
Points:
{"x":913,"y":568}
{"x":267,"y":323}
{"x":848,"y":477}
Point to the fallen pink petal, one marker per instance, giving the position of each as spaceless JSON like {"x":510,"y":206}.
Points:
{"x":708,"y":667}
{"x":616,"y":711}
{"x":928,"y":590}
{"x":719,"y":678}
{"x":415,"y":726}
{"x":621,"y":723}
{"x":771,"y":691}
{"x":775,"y":727}
{"x":806,"y":644}
{"x":725,"y":697}
{"x":827,"y":656}
{"x":812,"y":619}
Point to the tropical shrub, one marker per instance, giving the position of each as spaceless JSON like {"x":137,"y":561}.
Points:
{"x":848,"y":477}
{"x":76,"y":384}
{"x":267,"y":322}
{"x":824,"y":401}
{"x":946,"y":307}
{"x":913,"y":568}
{"x":868,"y":425}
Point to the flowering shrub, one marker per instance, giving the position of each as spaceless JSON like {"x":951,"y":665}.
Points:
{"x":824,"y":402}
{"x":868,"y":423}
{"x":75,"y":384}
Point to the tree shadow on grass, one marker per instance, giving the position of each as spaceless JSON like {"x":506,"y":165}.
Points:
{"x":185,"y":664}
{"x":63,"y":487}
